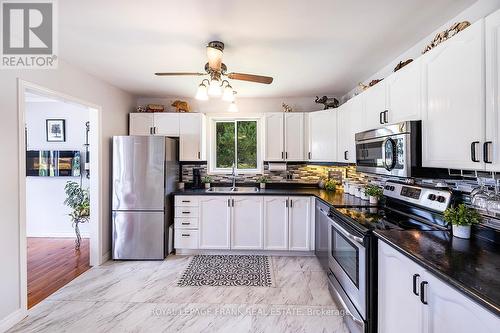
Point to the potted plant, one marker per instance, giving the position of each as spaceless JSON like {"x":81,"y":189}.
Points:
{"x":461,"y":218}
{"x":374,"y":193}
{"x":206,"y":180}
{"x":262,"y":181}
{"x":78,"y":200}
{"x":331,"y":185}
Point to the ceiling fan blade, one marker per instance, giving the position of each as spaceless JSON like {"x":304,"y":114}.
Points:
{"x":180,"y":74}
{"x":250,"y":77}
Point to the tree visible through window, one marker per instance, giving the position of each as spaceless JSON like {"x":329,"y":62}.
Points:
{"x":236,"y":142}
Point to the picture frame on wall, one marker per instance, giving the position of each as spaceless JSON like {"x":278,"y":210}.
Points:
{"x":55,"y":130}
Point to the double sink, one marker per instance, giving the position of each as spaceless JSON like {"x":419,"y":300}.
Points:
{"x":241,"y":189}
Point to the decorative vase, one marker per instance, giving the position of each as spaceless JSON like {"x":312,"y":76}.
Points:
{"x":461,"y":231}
{"x":373,"y":200}
{"x":180,"y":186}
{"x":321,"y":184}
{"x":207,"y":185}
{"x":262,"y":185}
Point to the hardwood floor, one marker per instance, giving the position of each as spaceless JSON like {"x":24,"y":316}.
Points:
{"x":52,"y":263}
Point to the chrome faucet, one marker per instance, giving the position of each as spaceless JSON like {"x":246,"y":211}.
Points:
{"x":233,"y":174}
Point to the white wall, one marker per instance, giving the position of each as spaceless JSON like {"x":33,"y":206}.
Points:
{"x":46,"y":214}
{"x":478,"y":10}
{"x":69,"y":80}
{"x":245,"y":105}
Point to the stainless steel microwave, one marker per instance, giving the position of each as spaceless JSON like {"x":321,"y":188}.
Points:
{"x":394,"y":150}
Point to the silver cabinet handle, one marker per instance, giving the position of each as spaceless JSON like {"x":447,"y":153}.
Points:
{"x":185,"y":223}
{"x":185,"y":235}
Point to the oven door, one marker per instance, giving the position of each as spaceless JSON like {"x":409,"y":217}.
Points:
{"x":387,"y":155}
{"x":347,"y":262}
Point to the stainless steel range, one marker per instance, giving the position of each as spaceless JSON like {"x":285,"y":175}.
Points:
{"x":352,"y":250}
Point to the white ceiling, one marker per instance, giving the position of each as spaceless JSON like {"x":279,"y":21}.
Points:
{"x":309,"y":47}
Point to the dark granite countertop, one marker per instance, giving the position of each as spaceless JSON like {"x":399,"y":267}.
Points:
{"x":471,"y":266}
{"x":336,"y":199}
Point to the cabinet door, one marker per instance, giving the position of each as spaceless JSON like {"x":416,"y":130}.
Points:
{"x":403,"y":94}
{"x":374,"y":106}
{"x":191,"y":132}
{"x":275,"y":223}
{"x":294,"y":136}
{"x":448,"y":310}
{"x":275,"y":148}
{"x":349,"y":123}
{"x":399,"y":309}
{"x":299,"y":224}
{"x":166,"y":124}
{"x":492,"y":26}
{"x":453,"y":101}
{"x":247,"y":222}
{"x":141,"y":123}
{"x":214,"y":222}
{"x":323,"y":136}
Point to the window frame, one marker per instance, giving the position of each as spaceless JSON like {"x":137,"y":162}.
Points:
{"x":212,"y":160}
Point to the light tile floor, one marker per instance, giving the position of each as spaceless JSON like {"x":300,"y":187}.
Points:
{"x":143,"y":297}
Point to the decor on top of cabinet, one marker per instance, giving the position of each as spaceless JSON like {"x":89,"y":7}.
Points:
{"x":141,"y":108}
{"x":446,"y":34}
{"x":328,"y":102}
{"x":461,"y":218}
{"x":181,"y":106}
{"x":371,"y":84}
{"x":207,"y":180}
{"x":286,"y":107}
{"x":402,"y":64}
{"x":78,"y":200}
{"x":262,"y":181}
{"x":155,"y":108}
{"x":374,"y":193}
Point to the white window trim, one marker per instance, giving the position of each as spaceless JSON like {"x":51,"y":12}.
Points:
{"x":212,"y":169}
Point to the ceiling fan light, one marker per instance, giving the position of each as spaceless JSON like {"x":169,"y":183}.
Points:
{"x":228,"y":94}
{"x":214,"y":56}
{"x":232,"y":107}
{"x":214,"y":88}
{"x":201,"y":93}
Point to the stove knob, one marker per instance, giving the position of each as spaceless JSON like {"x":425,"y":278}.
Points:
{"x":387,"y":187}
{"x":441,"y":199}
{"x":431,"y":197}
{"x":392,"y":188}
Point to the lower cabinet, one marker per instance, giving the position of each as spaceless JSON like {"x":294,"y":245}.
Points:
{"x":275,"y":223}
{"x":214,"y":222}
{"x":247,"y":222}
{"x":299,"y":211}
{"x":410,"y":299}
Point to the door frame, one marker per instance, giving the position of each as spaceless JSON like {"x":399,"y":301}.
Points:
{"x":96,"y":220}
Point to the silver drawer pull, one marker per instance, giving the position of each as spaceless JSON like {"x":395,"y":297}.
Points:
{"x":186,"y":223}
{"x":185,"y":235}
{"x":186,"y":212}
{"x":186,"y":201}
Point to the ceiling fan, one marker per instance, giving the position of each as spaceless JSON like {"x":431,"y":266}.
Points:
{"x":216,"y":69}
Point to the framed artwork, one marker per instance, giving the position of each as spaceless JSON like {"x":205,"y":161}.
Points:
{"x":56,"y":130}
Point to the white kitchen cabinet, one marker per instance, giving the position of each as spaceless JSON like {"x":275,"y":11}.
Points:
{"x":192,"y":137}
{"x":400,"y":310}
{"x":492,"y":142}
{"x":247,"y":222}
{"x":141,"y":123}
{"x":214,"y":222}
{"x":403,"y":94}
{"x":275,"y":223}
{"x":350,"y":122}
{"x":299,"y":216}
{"x":274,"y":137}
{"x":374,"y":106}
{"x":294,"y":136}
{"x":453,"y":108}
{"x":322,"y":136}
{"x":166,"y":124}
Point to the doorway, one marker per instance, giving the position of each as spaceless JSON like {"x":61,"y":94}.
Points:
{"x":60,"y":196}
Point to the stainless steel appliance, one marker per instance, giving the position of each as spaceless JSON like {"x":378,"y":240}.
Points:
{"x":145,"y":172}
{"x":352,"y":251}
{"x":393,"y":150}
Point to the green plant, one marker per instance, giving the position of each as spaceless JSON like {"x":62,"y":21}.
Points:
{"x":331,"y":185}
{"x":462,"y":215}
{"x":206,"y":179}
{"x":374,"y":191}
{"x":263,"y":180}
{"x":78,"y":200}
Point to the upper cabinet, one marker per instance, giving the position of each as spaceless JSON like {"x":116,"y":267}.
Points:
{"x":166,"y":124}
{"x":192,"y":137}
{"x":491,"y":145}
{"x":350,"y":122}
{"x":453,"y":108}
{"x":322,"y":130}
{"x":374,"y":106}
{"x":284,"y":136}
{"x":141,"y":123}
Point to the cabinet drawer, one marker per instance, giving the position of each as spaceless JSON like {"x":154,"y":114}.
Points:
{"x":186,"y":200}
{"x":186,"y":211}
{"x":186,"y":239}
{"x":186,"y":223}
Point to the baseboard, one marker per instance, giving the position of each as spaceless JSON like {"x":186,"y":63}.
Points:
{"x":12,"y":319}
{"x":242,"y":252}
{"x":58,"y":235}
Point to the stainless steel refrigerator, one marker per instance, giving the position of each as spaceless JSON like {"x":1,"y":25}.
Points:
{"x":145,"y":173}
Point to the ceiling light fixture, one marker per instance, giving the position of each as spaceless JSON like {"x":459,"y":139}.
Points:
{"x":202,"y":92}
{"x":214,"y":88}
{"x":228,"y":94}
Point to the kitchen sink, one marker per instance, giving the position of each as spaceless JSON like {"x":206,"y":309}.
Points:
{"x":241,"y":189}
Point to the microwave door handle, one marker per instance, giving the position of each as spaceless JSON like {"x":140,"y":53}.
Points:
{"x":344,"y":232}
{"x":393,"y":151}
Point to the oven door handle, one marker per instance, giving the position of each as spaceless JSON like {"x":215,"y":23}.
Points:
{"x":344,"y":232}
{"x":343,"y":305}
